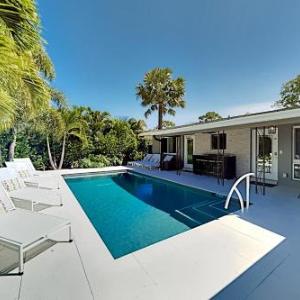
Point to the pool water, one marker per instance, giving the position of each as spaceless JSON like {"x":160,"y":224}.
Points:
{"x":131,"y":211}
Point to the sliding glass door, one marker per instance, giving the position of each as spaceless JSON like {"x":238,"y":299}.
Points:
{"x":189,"y":147}
{"x":296,"y":153}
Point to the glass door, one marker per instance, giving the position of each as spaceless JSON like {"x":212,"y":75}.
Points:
{"x":267,"y":154}
{"x":296,"y":153}
{"x":189,"y":147}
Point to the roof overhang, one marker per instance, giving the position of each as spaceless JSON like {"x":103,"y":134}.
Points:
{"x":270,"y":118}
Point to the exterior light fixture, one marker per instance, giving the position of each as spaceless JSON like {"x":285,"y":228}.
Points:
{"x":272,"y":130}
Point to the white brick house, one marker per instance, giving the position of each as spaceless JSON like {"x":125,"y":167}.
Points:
{"x":266,"y":143}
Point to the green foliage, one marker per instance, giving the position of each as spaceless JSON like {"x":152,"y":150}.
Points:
{"x":167,"y":124}
{"x":92,"y":161}
{"x":210,"y":116}
{"x":29,"y":144}
{"x":119,"y":142}
{"x":137,"y":126}
{"x":107,"y":142}
{"x":290,"y":94}
{"x":24,"y":64}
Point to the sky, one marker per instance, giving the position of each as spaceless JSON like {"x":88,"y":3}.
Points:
{"x":234,"y":54}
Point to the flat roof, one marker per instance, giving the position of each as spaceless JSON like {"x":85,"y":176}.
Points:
{"x":268,"y":118}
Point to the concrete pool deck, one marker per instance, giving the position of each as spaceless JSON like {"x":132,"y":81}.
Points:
{"x":244,"y":255}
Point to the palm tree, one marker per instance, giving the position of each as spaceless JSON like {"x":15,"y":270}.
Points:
{"x":210,"y":116}
{"x":58,"y":126}
{"x":58,"y":99}
{"x":160,"y":92}
{"x":74,"y":126}
{"x":24,"y":65}
{"x":168,"y":124}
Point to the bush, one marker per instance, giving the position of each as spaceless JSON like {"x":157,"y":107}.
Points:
{"x":110,"y":142}
{"x":95,"y":161}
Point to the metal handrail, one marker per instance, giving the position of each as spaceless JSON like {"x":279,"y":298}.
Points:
{"x":234,"y":188}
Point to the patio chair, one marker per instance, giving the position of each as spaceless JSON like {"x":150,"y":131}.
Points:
{"x":139,"y":163}
{"x":22,"y":194}
{"x":26,"y":229}
{"x":153,"y":163}
{"x":31,"y":177}
{"x":27,"y":161}
{"x":169,"y":163}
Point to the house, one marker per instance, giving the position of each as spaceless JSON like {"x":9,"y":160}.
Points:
{"x":266,"y":143}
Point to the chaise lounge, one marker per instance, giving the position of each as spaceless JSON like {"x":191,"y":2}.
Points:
{"x":26,"y":229}
{"x":21,"y":194}
{"x":26,"y":170}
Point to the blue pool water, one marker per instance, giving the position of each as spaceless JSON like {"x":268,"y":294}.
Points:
{"x":131,"y":211}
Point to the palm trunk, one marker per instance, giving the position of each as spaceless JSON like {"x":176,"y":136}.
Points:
{"x":63,"y":150}
{"x":160,"y":117}
{"x":160,"y":123}
{"x":53,"y":165}
{"x":12,"y":145}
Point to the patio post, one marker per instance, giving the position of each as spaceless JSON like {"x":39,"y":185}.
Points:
{"x":256,"y":172}
{"x":223,"y":158}
{"x":264,"y":161}
{"x":218,"y":157}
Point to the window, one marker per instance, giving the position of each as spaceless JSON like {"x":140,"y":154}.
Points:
{"x":150,"y":147}
{"x":164,"y":145}
{"x":168,"y":145}
{"x":297,"y":143}
{"x":172,"y":145}
{"x":218,"y":141}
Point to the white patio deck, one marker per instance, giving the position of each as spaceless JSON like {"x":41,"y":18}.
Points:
{"x":250,"y":255}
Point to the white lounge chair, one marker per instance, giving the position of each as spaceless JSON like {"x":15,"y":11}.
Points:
{"x":22,"y":194}
{"x":27,"y":161}
{"x":30,"y":167}
{"x":138,"y":163}
{"x":31,"y":178}
{"x":153,"y":163}
{"x":25,"y":229}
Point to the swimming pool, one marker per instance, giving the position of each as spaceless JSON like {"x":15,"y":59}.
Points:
{"x":131,"y":211}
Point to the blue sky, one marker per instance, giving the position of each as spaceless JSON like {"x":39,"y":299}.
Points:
{"x":234,"y":54}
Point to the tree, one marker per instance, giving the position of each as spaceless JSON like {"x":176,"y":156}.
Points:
{"x":210,"y":116}
{"x":167,"y":124}
{"x":119,"y":142}
{"x":74,"y":126}
{"x":57,"y":126}
{"x":107,"y":141}
{"x":290,"y":94}
{"x":160,"y":92}
{"x":24,"y":66}
{"x":58,"y":99}
{"x":137,"y":126}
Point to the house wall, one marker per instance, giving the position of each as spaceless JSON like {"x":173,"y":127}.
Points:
{"x":238,"y":143}
{"x":155,"y":146}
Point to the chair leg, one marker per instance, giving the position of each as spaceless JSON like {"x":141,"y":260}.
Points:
{"x":21,"y":261}
{"x":70,"y":234}
{"x":60,"y":199}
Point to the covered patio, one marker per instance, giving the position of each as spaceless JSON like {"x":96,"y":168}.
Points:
{"x":267,"y":144}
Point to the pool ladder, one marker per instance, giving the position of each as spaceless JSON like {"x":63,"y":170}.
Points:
{"x":234,"y":188}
